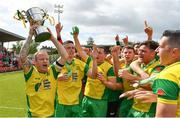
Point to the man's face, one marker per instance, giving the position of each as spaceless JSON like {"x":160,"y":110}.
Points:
{"x":145,"y":54}
{"x":136,"y":48}
{"x":164,"y":52}
{"x":128,"y":54}
{"x":42,"y":62}
{"x":70,"y":50}
{"x":87,"y":50}
{"x":101,"y":56}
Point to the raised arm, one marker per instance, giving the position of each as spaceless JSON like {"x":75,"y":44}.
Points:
{"x":26,"y":64}
{"x":79,"y":49}
{"x":94,"y":67}
{"x":117,"y":40}
{"x":125,"y":40}
{"x":60,"y":48}
{"x":92,"y":72}
{"x":116,"y":63}
{"x":58,"y":32}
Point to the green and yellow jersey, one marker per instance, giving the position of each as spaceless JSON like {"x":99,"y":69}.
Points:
{"x":122,"y":65}
{"x":41,"y":91}
{"x":94,"y":87}
{"x":153,"y":68}
{"x":126,"y":84}
{"x":89,"y":61}
{"x":69,"y":91}
{"x":167,"y":86}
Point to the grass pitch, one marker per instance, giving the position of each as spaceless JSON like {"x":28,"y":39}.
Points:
{"x":12,"y":94}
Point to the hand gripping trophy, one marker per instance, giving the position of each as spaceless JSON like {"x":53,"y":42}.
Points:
{"x":36,"y":15}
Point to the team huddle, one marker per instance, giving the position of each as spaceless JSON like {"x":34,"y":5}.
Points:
{"x":139,"y":80}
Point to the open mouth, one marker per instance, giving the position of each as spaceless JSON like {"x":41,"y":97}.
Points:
{"x":141,"y":57}
{"x":45,"y":65}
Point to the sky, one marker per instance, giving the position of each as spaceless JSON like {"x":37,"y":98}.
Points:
{"x":99,"y":19}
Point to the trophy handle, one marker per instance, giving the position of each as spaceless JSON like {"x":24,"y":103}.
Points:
{"x":20,"y":15}
{"x":44,"y":14}
{"x":50,"y":18}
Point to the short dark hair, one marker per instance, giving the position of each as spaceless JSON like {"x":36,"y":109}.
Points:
{"x":138,"y":43}
{"x":106,"y":49}
{"x":128,"y":47}
{"x":173,"y":38}
{"x":150,"y":44}
{"x":67,"y":42}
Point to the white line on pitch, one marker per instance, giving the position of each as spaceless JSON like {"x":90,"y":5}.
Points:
{"x":4,"y":107}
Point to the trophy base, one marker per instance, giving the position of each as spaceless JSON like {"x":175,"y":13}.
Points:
{"x":42,"y":37}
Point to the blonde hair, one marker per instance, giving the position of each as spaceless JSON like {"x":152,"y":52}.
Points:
{"x":40,"y":51}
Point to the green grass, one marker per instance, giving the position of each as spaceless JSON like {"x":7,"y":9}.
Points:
{"x":12,"y":95}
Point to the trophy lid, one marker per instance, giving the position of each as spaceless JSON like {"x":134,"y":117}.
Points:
{"x":36,"y":14}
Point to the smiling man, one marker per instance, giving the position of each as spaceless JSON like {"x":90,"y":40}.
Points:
{"x":167,"y":84}
{"x":150,"y":65}
{"x":40,"y":78}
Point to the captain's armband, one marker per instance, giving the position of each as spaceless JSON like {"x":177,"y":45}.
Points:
{"x":58,"y":65}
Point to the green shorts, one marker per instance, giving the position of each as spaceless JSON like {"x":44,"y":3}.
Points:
{"x":136,"y":113}
{"x":125,"y":107}
{"x":68,"y":110}
{"x":94,"y":107}
{"x":30,"y":116}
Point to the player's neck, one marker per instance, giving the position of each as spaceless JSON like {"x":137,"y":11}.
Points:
{"x":69,"y":60}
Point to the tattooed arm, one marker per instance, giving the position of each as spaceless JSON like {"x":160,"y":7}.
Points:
{"x":26,"y":64}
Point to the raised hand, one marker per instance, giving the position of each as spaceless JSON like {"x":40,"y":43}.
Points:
{"x":125,"y":40}
{"x":75,"y":32}
{"x":32,"y":29}
{"x":58,"y":28}
{"x":115,"y":51}
{"x":94,"y":52}
{"x":148,"y":30}
{"x":117,"y":37}
{"x":52,"y":36}
{"x":75,"y":29}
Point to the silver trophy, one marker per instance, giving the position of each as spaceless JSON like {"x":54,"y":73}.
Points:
{"x":35,"y":15}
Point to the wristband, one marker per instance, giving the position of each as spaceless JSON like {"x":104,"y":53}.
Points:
{"x":60,"y":65}
{"x":59,"y":39}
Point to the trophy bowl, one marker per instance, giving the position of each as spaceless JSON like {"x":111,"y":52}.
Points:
{"x":36,"y":15}
{"x":42,"y":34}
